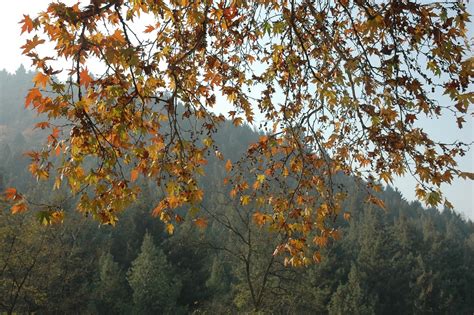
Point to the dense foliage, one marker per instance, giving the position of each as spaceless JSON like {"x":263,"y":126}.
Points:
{"x":338,"y":86}
{"x":405,"y":260}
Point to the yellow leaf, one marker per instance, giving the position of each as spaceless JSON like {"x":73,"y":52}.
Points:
{"x":170,"y":228}
{"x":207,"y":142}
{"x":244,"y":200}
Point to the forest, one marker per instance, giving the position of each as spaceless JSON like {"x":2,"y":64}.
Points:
{"x":401,"y":260}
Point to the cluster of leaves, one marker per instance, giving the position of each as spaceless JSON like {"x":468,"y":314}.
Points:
{"x":340,"y":86}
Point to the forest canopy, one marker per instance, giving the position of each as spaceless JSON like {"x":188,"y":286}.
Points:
{"x":338,"y":88}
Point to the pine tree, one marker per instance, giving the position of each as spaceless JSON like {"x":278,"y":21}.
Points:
{"x":154,"y":288}
{"x":112,"y":289}
{"x":353,"y":297}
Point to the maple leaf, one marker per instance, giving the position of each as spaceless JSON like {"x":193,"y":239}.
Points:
{"x":11,"y":193}
{"x":32,"y":95}
{"x":41,"y":79}
{"x":170,"y":228}
{"x":85,"y":77}
{"x":149,"y":29}
{"x":260,"y":218}
{"x":42,"y":125}
{"x":134,"y":174}
{"x":27,"y":24}
{"x":19,"y":207}
{"x":200,"y":222}
{"x":228,"y":166}
{"x":31,"y":44}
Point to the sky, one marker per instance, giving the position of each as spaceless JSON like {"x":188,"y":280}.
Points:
{"x":460,"y":193}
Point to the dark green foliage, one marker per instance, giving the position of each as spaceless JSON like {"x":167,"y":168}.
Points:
{"x":111,"y":289}
{"x":153,"y":281}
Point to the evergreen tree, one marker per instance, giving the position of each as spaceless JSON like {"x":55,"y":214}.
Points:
{"x":353,"y":297}
{"x":154,"y":284}
{"x":111,"y":289}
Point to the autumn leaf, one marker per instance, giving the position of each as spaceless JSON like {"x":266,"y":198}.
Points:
{"x":170,"y":228}
{"x":376,"y":201}
{"x":31,"y":44}
{"x":85,"y":78}
{"x":260,"y":218}
{"x":149,"y":29}
{"x":19,"y":207}
{"x":244,"y":200}
{"x":41,"y":80}
{"x":238,"y":121}
{"x":27,"y":24}
{"x":228,"y":166}
{"x":32,"y":95}
{"x":11,"y":193}
{"x":466,"y":175}
{"x":42,"y":125}
{"x":134,"y":175}
{"x":200,"y":222}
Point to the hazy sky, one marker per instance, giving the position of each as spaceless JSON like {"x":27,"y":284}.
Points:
{"x":461,"y":192}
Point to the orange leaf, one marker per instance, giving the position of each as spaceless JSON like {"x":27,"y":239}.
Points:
{"x":149,"y":29}
{"x":376,"y":201}
{"x":31,"y":44}
{"x":228,"y":166}
{"x":41,"y":79}
{"x":200,"y":222}
{"x":42,"y":125}
{"x":134,"y":175}
{"x":260,"y":218}
{"x":32,"y":95}
{"x":85,"y":78}
{"x":179,"y":218}
{"x":19,"y":207}
{"x":27,"y":24}
{"x":11,"y":193}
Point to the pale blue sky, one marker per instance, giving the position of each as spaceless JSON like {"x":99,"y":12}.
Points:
{"x":461,"y":192}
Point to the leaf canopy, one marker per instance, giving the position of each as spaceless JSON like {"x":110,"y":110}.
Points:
{"x":338,"y":87}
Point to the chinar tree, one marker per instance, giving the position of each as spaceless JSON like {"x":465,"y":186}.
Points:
{"x":337,"y":87}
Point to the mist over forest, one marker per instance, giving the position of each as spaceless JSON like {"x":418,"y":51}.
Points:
{"x":404,"y":260}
